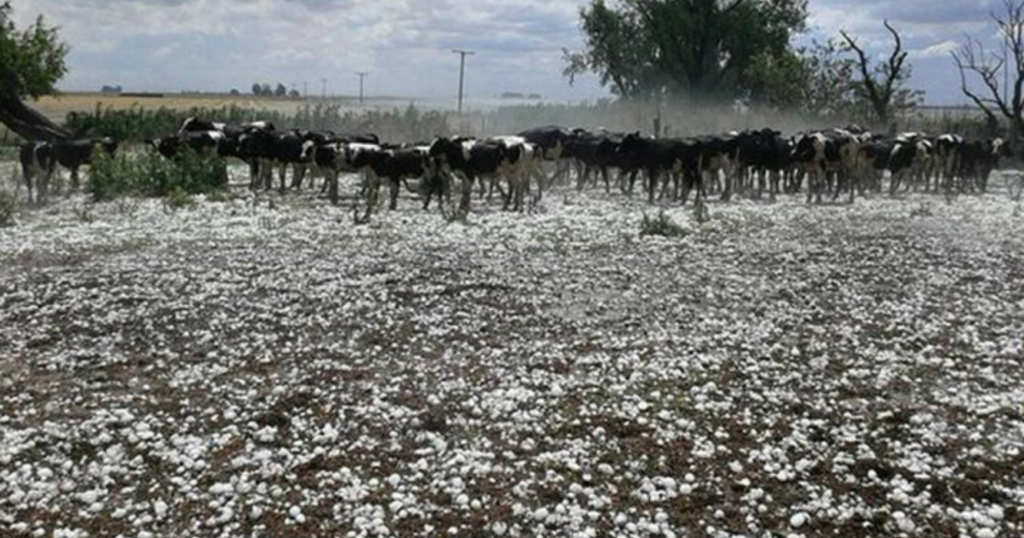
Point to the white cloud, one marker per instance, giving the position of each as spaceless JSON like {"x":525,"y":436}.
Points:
{"x":938,"y":50}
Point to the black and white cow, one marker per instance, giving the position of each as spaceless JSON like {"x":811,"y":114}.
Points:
{"x":392,"y":165}
{"x":472,"y":160}
{"x":550,"y":141}
{"x":948,"y":154}
{"x":910,"y":161}
{"x":40,"y":160}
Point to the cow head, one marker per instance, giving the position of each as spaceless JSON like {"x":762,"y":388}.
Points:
{"x":804,"y":149}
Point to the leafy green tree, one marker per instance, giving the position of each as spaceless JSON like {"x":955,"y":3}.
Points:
{"x":31,"y":63}
{"x":698,"y":48}
{"x":830,"y":90}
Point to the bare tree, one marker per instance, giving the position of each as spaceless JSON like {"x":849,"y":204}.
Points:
{"x":976,"y":62}
{"x":883,"y":84}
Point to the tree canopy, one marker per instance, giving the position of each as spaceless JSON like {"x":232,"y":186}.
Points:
{"x":698,"y":48}
{"x":31,"y":60}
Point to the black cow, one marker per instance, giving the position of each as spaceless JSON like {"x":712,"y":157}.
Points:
{"x":765,"y":154}
{"x":678,"y":158}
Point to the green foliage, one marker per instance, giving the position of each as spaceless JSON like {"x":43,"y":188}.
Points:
{"x":700,"y":48}
{"x":9,"y":207}
{"x":138,"y":124}
{"x":149,"y":174}
{"x":179,"y":199}
{"x":31,"y":60}
{"x":662,"y":225}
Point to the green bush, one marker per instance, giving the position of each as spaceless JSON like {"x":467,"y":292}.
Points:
{"x":662,"y":225}
{"x":137,"y":124}
{"x":149,"y":174}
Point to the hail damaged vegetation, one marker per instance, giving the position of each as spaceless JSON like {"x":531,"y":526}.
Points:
{"x":242,"y":368}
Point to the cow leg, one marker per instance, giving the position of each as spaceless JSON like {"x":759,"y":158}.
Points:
{"x":652,"y":182}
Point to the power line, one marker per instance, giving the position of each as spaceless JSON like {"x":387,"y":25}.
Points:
{"x":462,"y":71}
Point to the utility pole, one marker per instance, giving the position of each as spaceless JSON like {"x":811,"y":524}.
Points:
{"x":324,"y":95}
{"x":362,"y":75}
{"x":462,"y":71}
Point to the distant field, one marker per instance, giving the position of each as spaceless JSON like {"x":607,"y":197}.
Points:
{"x":57,"y":107}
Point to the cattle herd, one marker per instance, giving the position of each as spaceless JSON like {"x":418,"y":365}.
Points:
{"x":754,"y":163}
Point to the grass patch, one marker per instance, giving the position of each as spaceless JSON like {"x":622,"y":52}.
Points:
{"x":662,"y":225}
{"x":9,"y":207}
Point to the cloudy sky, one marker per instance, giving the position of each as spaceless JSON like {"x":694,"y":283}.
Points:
{"x":214,"y":45}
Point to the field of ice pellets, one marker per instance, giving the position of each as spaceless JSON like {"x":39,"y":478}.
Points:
{"x":265,"y":367}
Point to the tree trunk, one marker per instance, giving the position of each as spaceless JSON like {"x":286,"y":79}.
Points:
{"x":28,"y":123}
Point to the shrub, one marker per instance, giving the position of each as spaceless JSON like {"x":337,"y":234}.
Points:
{"x":662,"y":225}
{"x":149,"y":174}
{"x":8,"y":208}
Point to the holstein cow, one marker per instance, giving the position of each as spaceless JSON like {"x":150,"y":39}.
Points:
{"x":523,"y":171}
{"x":35,"y":165}
{"x":551,"y":141}
{"x":394,"y":166}
{"x":948,"y":155}
{"x":717,"y":157}
{"x":810,"y":152}
{"x":911,"y":159}
{"x":201,"y":142}
{"x":473,"y":160}
{"x":39,"y":160}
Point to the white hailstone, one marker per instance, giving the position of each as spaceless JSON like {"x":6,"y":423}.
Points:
{"x":986,"y":533}
{"x":221,"y":488}
{"x":620,"y":519}
{"x":798,"y":520}
{"x":394,"y":480}
{"x":996,"y":512}
{"x":736,"y":467}
{"x":395,"y":506}
{"x":462,"y":500}
{"x":528,"y":445}
{"x":541,"y":514}
{"x":160,"y":509}
{"x":475,"y":504}
{"x":685,"y":489}
{"x":296,"y":513}
{"x":605,"y":469}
